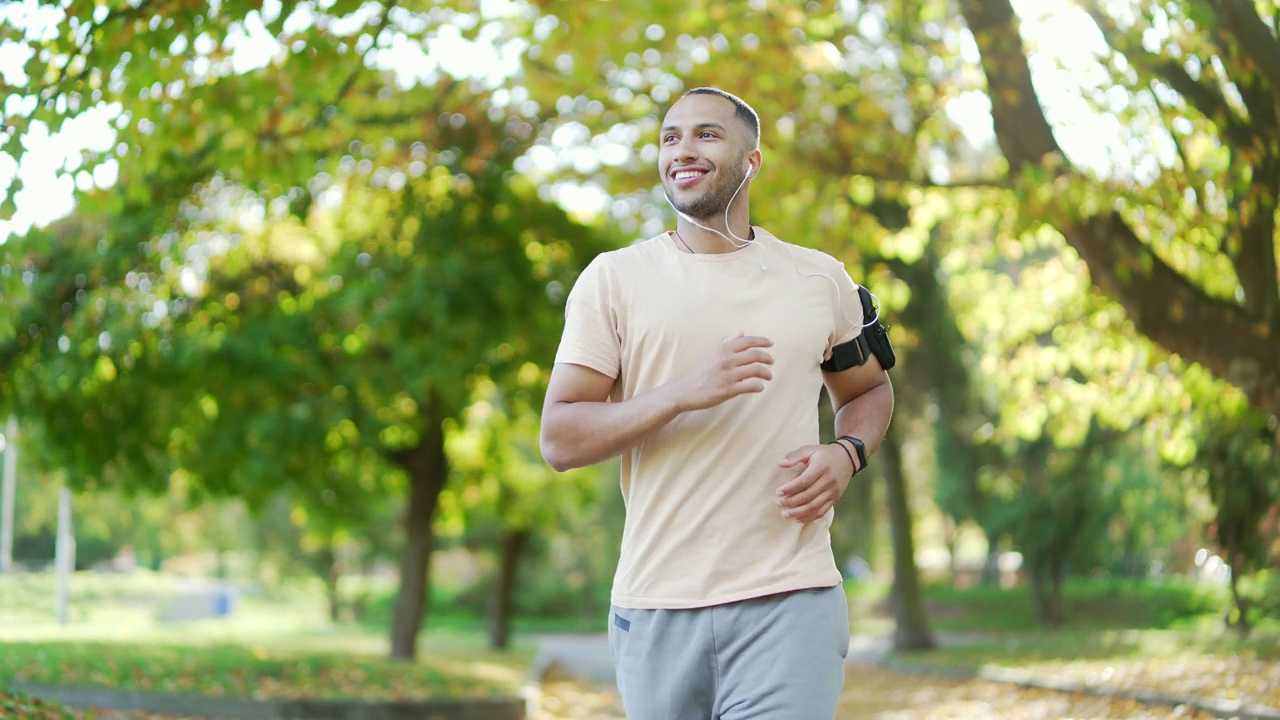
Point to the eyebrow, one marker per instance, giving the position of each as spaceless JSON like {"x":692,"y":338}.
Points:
{"x":715,"y":125}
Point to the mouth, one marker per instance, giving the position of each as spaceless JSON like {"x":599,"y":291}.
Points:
{"x":687,"y":177}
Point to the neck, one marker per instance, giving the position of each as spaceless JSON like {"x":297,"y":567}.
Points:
{"x":707,"y":242}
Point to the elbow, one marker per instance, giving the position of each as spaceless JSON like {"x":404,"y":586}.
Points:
{"x":558,"y":462}
{"x":554,"y":453}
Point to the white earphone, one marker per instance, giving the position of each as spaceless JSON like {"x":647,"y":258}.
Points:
{"x":741,"y":243}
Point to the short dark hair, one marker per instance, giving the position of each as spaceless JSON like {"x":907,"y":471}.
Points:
{"x":742,"y":110}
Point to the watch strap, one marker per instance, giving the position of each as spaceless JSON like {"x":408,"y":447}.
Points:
{"x":858,"y":448}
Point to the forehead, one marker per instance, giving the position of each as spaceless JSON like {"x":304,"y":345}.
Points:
{"x":694,"y":110}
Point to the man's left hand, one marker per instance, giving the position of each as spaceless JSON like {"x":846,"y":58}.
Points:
{"x":816,"y":490}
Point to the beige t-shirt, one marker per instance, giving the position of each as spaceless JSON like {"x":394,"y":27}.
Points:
{"x":702,"y":527}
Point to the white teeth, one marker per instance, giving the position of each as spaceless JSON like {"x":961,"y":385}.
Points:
{"x":686,"y":174}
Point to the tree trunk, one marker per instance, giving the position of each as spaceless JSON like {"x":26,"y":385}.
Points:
{"x":951,"y":540}
{"x":324,"y":563}
{"x":1054,"y":607}
{"x":503,"y":605}
{"x":943,"y":376}
{"x":1241,"y":603}
{"x":1057,"y":612}
{"x":991,"y":568}
{"x":428,"y":468}
{"x":1046,"y":590}
{"x":912,"y":627}
{"x":360,"y":602}
{"x":862,"y":519}
{"x":1039,"y":591}
{"x":327,"y":564}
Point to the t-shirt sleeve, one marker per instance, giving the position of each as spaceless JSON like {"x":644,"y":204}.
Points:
{"x":846,"y":307}
{"x":591,"y":336}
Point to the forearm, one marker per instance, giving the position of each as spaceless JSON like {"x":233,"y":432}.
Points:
{"x":578,"y":434}
{"x":867,"y":416}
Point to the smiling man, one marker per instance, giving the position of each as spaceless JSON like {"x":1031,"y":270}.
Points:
{"x":698,"y":356}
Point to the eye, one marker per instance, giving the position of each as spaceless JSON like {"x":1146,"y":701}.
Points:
{"x":707,"y":134}
{"x":668,"y":138}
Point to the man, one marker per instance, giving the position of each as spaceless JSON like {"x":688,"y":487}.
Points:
{"x":698,"y":356}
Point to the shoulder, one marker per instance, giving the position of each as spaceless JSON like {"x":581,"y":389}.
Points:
{"x":647,"y":249}
{"x":637,"y":253}
{"x":809,"y":259}
{"x":611,"y":268}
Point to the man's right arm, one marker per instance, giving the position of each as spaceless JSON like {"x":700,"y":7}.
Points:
{"x":581,"y":427}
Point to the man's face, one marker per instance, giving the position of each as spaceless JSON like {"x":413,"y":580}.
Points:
{"x":702,"y":155}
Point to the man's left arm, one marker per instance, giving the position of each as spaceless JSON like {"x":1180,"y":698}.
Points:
{"x":863,"y":399}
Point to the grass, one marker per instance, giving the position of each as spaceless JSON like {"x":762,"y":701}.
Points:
{"x":238,"y":671}
{"x":125,"y":609}
{"x":450,"y":610}
{"x":1087,"y":604}
{"x":274,"y":645}
{"x":1036,"y":647}
{"x":15,"y":705}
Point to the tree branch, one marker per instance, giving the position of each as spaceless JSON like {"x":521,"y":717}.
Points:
{"x":1188,"y":170}
{"x":1256,"y":264}
{"x":321,"y":118}
{"x":1021,"y":127}
{"x":1255,"y":39}
{"x":1204,"y":97}
{"x":1163,"y":304}
{"x":840,"y":164}
{"x":85,"y":48}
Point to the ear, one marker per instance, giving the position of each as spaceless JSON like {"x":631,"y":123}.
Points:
{"x":754,"y":160}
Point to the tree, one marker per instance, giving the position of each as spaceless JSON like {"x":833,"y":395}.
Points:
{"x":410,"y":292}
{"x":1238,"y":459}
{"x":505,"y":488}
{"x":911,"y":628}
{"x":939,"y":367}
{"x":279,"y":135}
{"x":1191,"y":253}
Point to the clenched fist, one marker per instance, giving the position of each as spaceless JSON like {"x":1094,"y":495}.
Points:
{"x":738,"y":366}
{"x":827,"y":470}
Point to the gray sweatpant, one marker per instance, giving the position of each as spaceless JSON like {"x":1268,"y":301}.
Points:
{"x":779,"y":657}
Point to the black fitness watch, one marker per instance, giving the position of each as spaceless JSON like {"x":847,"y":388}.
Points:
{"x":858,"y":448}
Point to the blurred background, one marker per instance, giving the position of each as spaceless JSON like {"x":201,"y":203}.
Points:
{"x":281,"y":284}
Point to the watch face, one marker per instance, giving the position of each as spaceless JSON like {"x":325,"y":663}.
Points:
{"x":862,"y":452}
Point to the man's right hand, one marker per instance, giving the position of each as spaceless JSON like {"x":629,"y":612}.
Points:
{"x":739,"y":365}
{"x":581,"y":426}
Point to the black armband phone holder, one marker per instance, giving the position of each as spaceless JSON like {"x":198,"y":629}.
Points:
{"x":873,"y":340}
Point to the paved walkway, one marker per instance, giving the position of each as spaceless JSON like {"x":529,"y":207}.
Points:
{"x":583,"y":656}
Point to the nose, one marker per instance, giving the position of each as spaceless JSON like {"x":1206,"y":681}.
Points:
{"x":683,"y":151}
